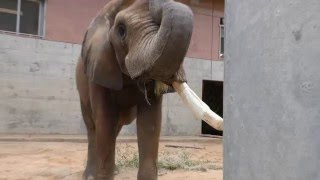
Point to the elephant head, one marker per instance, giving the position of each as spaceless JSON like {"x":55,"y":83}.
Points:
{"x":145,"y":40}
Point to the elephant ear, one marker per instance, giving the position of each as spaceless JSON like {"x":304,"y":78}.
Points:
{"x":99,"y":57}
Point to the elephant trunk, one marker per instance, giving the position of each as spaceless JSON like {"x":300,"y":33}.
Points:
{"x":165,"y":52}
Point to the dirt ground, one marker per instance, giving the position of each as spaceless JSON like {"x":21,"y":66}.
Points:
{"x":66,"y":160}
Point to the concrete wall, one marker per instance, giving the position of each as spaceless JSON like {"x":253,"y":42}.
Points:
{"x":38,"y":93}
{"x":37,"y":89}
{"x":272,"y":85}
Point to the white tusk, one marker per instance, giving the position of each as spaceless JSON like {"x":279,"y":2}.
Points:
{"x":200,"y":109}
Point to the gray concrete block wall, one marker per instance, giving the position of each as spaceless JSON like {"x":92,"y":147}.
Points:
{"x":38,"y":93}
{"x":272,"y":86}
{"x":37,"y":89}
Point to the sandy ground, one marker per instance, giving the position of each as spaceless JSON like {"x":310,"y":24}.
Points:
{"x":66,"y":160}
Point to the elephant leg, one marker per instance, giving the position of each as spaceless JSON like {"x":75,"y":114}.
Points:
{"x":119,"y":127}
{"x":106,"y":141}
{"x":90,"y":170}
{"x":148,"y":129}
{"x":106,"y":115}
{"x":126,"y":117}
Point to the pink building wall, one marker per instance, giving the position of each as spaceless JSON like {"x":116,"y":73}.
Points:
{"x":67,"y":21}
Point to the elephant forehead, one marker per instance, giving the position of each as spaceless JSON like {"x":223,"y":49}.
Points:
{"x":132,"y":16}
{"x":138,"y":17}
{"x":140,"y":26}
{"x":141,"y":23}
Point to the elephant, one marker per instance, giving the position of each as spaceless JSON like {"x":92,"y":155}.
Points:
{"x":132,"y":52}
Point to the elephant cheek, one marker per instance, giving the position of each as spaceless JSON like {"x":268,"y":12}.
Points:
{"x":121,"y":56}
{"x":122,"y":64}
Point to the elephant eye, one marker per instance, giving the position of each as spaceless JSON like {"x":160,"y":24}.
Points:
{"x":122,"y":31}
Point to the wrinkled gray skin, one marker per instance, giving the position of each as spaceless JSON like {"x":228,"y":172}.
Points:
{"x":131,"y":54}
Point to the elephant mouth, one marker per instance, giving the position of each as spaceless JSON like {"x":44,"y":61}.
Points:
{"x":152,"y":88}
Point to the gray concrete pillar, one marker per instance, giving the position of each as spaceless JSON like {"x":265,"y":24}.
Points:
{"x":272,"y":90}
